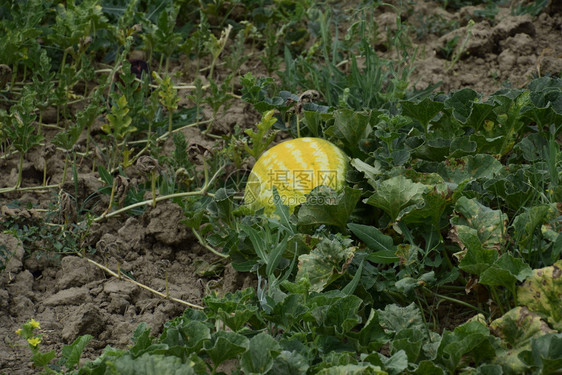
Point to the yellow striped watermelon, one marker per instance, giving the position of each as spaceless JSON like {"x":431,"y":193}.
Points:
{"x":295,"y":167}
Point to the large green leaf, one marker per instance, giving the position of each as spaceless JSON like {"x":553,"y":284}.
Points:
{"x":436,"y":198}
{"x":526,"y":224}
{"x":262,"y":351}
{"x":397,"y":196}
{"x":468,"y":343}
{"x":290,"y":363}
{"x":225,"y":345}
{"x":342,"y":314}
{"x":474,"y":258}
{"x":506,"y":271}
{"x":190,"y":335}
{"x":396,"y":318}
{"x":394,"y":365}
{"x":350,"y":127}
{"x":423,"y":111}
{"x":461,"y":103}
{"x":541,"y":293}
{"x":545,"y":356}
{"x":325,"y":206}
{"x":71,"y":353}
{"x":471,"y":167}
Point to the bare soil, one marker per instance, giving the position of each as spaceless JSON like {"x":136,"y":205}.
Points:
{"x":71,"y":296}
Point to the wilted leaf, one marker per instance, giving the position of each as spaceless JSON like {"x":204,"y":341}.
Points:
{"x":325,"y":263}
{"x":489,"y":224}
{"x":516,"y":328}
{"x":541,"y":293}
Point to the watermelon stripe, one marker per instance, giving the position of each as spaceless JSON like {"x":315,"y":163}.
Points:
{"x":295,"y":167}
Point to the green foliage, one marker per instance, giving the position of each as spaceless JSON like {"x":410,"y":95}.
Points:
{"x":447,"y":193}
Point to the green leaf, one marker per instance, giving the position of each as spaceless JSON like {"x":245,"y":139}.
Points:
{"x":394,"y":365}
{"x":397,"y":196}
{"x":409,"y":341}
{"x":468,"y":168}
{"x":226,"y":345}
{"x":371,"y":171}
{"x":262,"y":351}
{"x":436,"y":198}
{"x":423,"y":111}
{"x":190,"y":335}
{"x":352,"y":285}
{"x":325,"y":263}
{"x":396,"y":318}
{"x":477,"y":258}
{"x":290,"y":363}
{"x":42,"y":360}
{"x":545,"y":356}
{"x":428,"y":368}
{"x":71,"y":353}
{"x":506,"y":271}
{"x":468,"y":342}
{"x":352,"y":370}
{"x":383,"y":257}
{"x":149,"y":364}
{"x":526,"y":223}
{"x":372,"y":237}
{"x":325,"y":206}
{"x":349,"y":126}
{"x":541,"y":293}
{"x":342,"y":314}
{"x":461,"y":103}
{"x":372,"y":335}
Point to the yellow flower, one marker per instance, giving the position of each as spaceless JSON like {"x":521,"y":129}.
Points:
{"x":18,"y":331}
{"x":34,"y":341}
{"x":34,"y":323}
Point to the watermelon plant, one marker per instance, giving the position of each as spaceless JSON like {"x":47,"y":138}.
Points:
{"x":386,"y":230}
